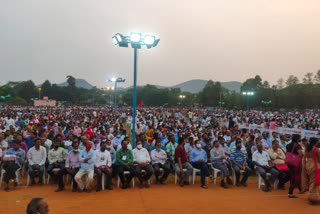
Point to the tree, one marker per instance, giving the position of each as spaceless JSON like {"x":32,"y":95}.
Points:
{"x":292,"y":80}
{"x":265,"y":84}
{"x":252,"y":84}
{"x":280,"y":83}
{"x":307,"y":78}
{"x":317,"y":77}
{"x":71,"y":81}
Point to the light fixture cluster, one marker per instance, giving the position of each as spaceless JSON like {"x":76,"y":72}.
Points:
{"x":248,"y":93}
{"x":136,"y":40}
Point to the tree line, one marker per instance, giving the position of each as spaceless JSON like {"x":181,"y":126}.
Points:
{"x":289,"y":94}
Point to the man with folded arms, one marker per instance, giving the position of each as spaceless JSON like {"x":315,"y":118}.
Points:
{"x":86,"y":168}
{"x":198,"y":158}
{"x":37,"y":156}
{"x":141,"y":157}
{"x":102,"y":162}
{"x":159,"y":160}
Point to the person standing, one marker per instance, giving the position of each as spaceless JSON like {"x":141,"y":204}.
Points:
{"x":239,"y":162}
{"x":124,"y":160}
{"x":311,"y":163}
{"x":102,"y":162}
{"x":86,"y":168}
{"x":199,"y":159}
{"x":159,"y":160}
{"x":37,"y":156}
{"x":182,"y":163}
{"x":295,"y":172}
{"x":141,"y":157}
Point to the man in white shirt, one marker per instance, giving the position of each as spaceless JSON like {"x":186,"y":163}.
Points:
{"x":264,"y":165}
{"x":160,"y":160}
{"x":3,"y":144}
{"x":141,"y":157}
{"x":102,"y":164}
{"x":36,"y":157}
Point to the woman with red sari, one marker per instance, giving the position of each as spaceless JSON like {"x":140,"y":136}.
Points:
{"x":311,"y":170}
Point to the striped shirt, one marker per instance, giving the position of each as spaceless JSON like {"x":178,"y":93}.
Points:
{"x":238,"y":157}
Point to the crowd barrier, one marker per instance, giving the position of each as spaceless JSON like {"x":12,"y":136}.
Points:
{"x":304,"y":133}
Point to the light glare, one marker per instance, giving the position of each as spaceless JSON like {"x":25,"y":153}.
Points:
{"x":135,"y":37}
{"x":149,"y":40}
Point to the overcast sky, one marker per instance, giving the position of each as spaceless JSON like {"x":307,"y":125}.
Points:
{"x":222,"y":40}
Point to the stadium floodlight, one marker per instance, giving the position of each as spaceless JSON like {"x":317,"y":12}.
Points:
{"x":149,"y":39}
{"x":135,"y":37}
{"x":248,"y":94}
{"x":136,"y":40}
{"x":115,"y":80}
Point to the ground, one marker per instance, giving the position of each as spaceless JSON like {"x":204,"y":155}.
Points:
{"x":159,"y":199}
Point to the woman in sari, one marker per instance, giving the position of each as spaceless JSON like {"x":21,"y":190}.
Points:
{"x":312,"y":156}
{"x":295,"y":181}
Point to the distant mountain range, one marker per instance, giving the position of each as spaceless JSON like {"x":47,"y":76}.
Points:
{"x":193,"y":86}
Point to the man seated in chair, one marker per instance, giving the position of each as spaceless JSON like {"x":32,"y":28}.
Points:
{"x":263,"y":166}
{"x":57,"y":157}
{"x":141,"y":157}
{"x":72,"y":166}
{"x":239,"y":162}
{"x":160,"y":160}
{"x":86,"y":168}
{"x":12,"y":166}
{"x":102,"y":164}
{"x":181,"y":163}
{"x":124,"y":160}
{"x":198,"y":158}
{"x":37,"y":156}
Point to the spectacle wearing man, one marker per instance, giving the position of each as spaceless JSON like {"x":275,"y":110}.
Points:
{"x":103,"y":165}
{"x":159,"y":160}
{"x":124,"y":160}
{"x":181,"y":163}
{"x":37,"y":156}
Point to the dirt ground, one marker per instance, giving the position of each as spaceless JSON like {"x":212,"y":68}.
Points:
{"x":159,"y":199}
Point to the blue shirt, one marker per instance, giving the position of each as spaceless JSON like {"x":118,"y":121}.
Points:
{"x":238,"y":157}
{"x":19,"y":160}
{"x":86,"y":167}
{"x":197,"y":154}
{"x":29,"y":142}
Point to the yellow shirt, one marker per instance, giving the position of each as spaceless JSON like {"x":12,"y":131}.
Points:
{"x":276,"y":156}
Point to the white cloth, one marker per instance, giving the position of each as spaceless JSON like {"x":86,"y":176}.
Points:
{"x":261,"y":158}
{"x":158,"y":156}
{"x":37,"y":156}
{"x":102,"y":158}
{"x":141,"y":155}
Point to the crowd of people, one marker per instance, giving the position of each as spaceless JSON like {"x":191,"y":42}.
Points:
{"x":81,"y":142}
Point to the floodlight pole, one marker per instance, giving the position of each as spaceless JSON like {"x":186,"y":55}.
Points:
{"x":134,"y":96}
{"x":248,"y":103}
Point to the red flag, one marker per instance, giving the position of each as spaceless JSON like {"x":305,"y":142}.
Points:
{"x":140,"y":104}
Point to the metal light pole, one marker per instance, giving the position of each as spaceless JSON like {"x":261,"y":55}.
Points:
{"x":116,"y":80}
{"x":136,"y":40}
{"x":248,"y":94}
{"x":39,"y":89}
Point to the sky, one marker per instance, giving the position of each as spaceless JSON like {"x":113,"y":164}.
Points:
{"x":221,"y":40}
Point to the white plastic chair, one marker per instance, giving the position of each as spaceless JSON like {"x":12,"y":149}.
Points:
{"x":195,"y":171}
{"x":215,"y":174}
{"x":260,"y":182}
{"x":43,"y":179}
{"x":234,"y":175}
{"x":4,"y":171}
{"x":176,"y":176}
{"x":55,"y":171}
{"x":125,"y":173}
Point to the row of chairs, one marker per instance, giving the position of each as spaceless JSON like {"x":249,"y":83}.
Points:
{"x":195,"y":171}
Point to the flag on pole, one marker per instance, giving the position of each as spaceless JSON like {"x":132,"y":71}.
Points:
{"x":140,"y":104}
